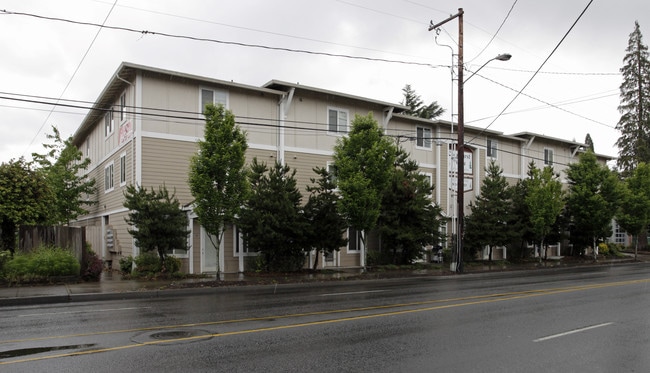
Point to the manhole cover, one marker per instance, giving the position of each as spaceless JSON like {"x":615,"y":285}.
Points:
{"x":171,"y":337}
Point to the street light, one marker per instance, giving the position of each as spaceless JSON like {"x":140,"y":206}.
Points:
{"x":460,"y":147}
{"x":501,"y":57}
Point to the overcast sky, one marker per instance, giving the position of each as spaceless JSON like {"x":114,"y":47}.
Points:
{"x":575,"y":93}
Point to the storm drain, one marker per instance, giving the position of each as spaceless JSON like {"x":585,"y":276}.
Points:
{"x":171,"y":337}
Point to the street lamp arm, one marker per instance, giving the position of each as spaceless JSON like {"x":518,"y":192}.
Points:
{"x":501,"y":57}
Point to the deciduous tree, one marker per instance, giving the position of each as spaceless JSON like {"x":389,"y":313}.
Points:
{"x":217,"y":175}
{"x":591,"y":200}
{"x":64,"y":168}
{"x":364,"y":162}
{"x":25,"y":198}
{"x":633,"y":212}
{"x":545,"y":203}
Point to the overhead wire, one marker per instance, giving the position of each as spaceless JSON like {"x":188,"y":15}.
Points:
{"x":540,"y":66}
{"x":83,"y":58}
{"x":225,"y":42}
{"x":495,"y":33}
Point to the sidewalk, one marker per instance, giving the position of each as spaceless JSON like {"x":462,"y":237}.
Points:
{"x":112,"y":287}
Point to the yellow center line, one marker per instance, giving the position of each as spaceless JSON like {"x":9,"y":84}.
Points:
{"x":466,"y":301}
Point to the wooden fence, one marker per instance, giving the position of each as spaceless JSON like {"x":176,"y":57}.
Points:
{"x":72,"y":238}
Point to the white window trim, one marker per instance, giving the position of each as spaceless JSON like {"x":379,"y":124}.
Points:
{"x":495,"y":146}
{"x":123,"y":169}
{"x":551,"y":152}
{"x":111,"y":127}
{"x":359,"y":245}
{"x":122,"y":108}
{"x":112,"y":177}
{"x":427,"y":141}
{"x":347,"y":124}
{"x":238,"y":247}
{"x":214,"y":95}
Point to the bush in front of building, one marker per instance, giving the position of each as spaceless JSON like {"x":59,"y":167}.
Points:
{"x":92,"y":267}
{"x":148,"y":264}
{"x":42,"y":264}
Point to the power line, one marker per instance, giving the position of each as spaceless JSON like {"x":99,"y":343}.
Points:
{"x":538,"y":100}
{"x":225,"y":42}
{"x":495,"y":34}
{"x":539,"y":68}
{"x":83,"y":58}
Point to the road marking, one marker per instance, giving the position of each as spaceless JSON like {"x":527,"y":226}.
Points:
{"x":572,"y":332}
{"x":352,"y":292}
{"x":92,"y":311}
{"x":466,"y":301}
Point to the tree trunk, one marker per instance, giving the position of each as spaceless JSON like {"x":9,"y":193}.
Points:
{"x":489,"y":253}
{"x":316,"y":260}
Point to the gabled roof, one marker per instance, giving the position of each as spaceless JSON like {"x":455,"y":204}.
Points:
{"x":123,"y":77}
{"x":285,"y":86}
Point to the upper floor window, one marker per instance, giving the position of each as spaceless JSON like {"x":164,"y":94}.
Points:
{"x":213,"y":96}
{"x":423,"y":139}
{"x":337,"y":121}
{"x":548,"y":157}
{"x":108,"y":177}
{"x":123,"y":169}
{"x":108,"y":122}
{"x":122,"y":107}
{"x":491,"y":148}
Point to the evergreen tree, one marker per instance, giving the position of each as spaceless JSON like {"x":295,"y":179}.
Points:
{"x":590,"y":143}
{"x":591,"y":201}
{"x":417,"y":107}
{"x":487,"y":224}
{"x":64,"y":168}
{"x":25,"y":198}
{"x":634,"y":124}
{"x":326,"y":225}
{"x":159,"y":224}
{"x":272,"y":221}
{"x":409,"y":221}
{"x":217,"y":176}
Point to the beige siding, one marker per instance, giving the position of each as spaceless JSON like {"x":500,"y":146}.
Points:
{"x":166,"y":162}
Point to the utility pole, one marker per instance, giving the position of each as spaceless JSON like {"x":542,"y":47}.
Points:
{"x":460,"y":188}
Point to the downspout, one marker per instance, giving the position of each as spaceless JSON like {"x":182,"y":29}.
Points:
{"x":285,"y":106}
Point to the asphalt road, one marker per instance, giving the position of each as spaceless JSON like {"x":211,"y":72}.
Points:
{"x":592,"y":319}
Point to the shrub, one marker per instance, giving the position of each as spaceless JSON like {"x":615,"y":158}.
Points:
{"x":126,"y":265}
{"x":42,"y":263}
{"x":92,"y":267}
{"x":147,"y":263}
{"x":603,"y":249}
{"x":5,"y":256}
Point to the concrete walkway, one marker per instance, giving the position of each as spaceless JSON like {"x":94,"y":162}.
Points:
{"x":112,"y":287}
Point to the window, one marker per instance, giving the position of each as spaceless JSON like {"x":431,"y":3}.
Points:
{"x":423,"y":137}
{"x":108,"y":122}
{"x":619,"y":235}
{"x":354,"y":240}
{"x":548,"y":157}
{"x":491,"y":148}
{"x":428,"y":177}
{"x":108,"y":178}
{"x":122,"y":169}
{"x":337,"y":121}
{"x":241,"y":245}
{"x":122,"y":107}
{"x":331,"y":169}
{"x":211,"y":96}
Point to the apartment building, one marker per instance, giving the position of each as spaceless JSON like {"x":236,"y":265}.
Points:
{"x":144,"y":127}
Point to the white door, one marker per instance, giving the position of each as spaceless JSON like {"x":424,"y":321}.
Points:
{"x":208,"y":253}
